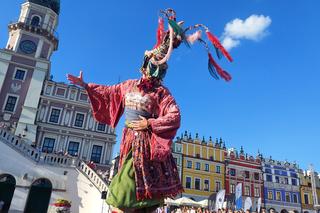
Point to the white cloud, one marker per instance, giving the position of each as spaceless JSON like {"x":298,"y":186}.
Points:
{"x":230,"y":43}
{"x":253,"y":28}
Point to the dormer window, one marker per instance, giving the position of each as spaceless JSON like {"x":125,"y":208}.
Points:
{"x":35,"y":21}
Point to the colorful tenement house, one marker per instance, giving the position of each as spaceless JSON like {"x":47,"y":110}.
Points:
{"x":177,"y":155}
{"x":241,"y":168}
{"x":310,"y":191}
{"x":203,"y":167}
{"x":281,"y":186}
{"x":54,"y":117}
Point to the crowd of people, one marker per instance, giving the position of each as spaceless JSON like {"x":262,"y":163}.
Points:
{"x":187,"y":209}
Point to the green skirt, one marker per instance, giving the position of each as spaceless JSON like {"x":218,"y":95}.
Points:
{"x":122,"y":189}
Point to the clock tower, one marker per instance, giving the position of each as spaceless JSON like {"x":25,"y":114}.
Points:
{"x":25,"y":65}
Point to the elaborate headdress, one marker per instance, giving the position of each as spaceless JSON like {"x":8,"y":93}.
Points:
{"x":155,"y":60}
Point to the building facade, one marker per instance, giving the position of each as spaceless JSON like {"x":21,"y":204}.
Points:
{"x":203,"y":168}
{"x":177,"y":155}
{"x":281,"y":186}
{"x":47,"y":131}
{"x":54,"y":117}
{"x":244,"y":169}
{"x":309,"y":189}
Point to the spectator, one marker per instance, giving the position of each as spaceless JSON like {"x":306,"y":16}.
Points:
{"x":1,"y":204}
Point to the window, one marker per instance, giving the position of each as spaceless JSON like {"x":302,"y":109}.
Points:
{"x":189,"y":164}
{"x":246,"y":174}
{"x":55,"y":114}
{"x":72,"y":95}
{"x":101,"y":127}
{"x":96,"y":153}
{"x":306,"y":198}
{"x":287,"y":197}
{"x":197,"y":155}
{"x":232,"y":188}
{"x":278,"y":196}
{"x":232,"y":172}
{"x":35,"y":21}
{"x":73,"y":148}
{"x":294,"y":182}
{"x":269,"y":178}
{"x":11,"y":103}
{"x":79,"y":120}
{"x":256,"y":176}
{"x":256,"y":192}
{"x":277,"y":179}
{"x":268,"y":171}
{"x":188,"y":182}
{"x":20,"y":74}
{"x":270,"y":195}
{"x":218,"y":186}
{"x":198,"y":166}
{"x":83,"y":97}
{"x":60,"y":92}
{"x":294,"y":175}
{"x":197,"y":183}
{"x":295,"y":198}
{"x":206,"y":185}
{"x":218,"y":169}
{"x":48,"y":145}
{"x":277,"y":172}
{"x":247,"y":190}
{"x":175,"y":160}
{"x":48,"y":89}
{"x":178,"y":149}
{"x":286,"y":180}
{"x":206,"y":167}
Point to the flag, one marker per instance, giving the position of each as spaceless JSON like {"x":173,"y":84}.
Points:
{"x":220,"y":199}
{"x":259,"y":205}
{"x":247,"y":204}
{"x":239,"y":196}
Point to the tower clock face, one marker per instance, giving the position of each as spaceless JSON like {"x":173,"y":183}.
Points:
{"x":28,"y":47}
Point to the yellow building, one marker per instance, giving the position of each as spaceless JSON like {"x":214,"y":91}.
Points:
{"x":306,"y":193}
{"x":307,"y":199}
{"x":203,"y":168}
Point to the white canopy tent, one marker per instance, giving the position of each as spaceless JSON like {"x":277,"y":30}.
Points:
{"x":183,"y":201}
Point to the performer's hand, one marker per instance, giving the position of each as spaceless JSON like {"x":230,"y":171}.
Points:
{"x":76,"y":80}
{"x":139,"y":124}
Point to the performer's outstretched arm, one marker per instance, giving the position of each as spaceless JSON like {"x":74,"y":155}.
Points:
{"x":106,"y":101}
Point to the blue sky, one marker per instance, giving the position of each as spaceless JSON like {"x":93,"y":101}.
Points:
{"x":272,"y":104}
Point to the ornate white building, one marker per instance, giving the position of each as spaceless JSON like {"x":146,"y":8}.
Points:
{"x":53,"y":116}
{"x":47,"y":132}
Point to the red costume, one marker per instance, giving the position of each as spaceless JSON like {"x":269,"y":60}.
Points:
{"x":156,"y":174}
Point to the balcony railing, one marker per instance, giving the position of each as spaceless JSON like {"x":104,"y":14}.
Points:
{"x":40,"y":28}
{"x":18,"y":144}
{"x":96,"y":179}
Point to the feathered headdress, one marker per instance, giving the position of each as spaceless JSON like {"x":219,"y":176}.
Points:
{"x":155,"y":60}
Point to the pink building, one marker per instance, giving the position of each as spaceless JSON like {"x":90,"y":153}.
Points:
{"x":244,"y":169}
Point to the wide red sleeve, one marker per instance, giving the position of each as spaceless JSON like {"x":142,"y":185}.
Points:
{"x":164,"y":128}
{"x":106,"y":102}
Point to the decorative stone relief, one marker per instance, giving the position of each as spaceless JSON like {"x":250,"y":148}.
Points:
{"x":66,"y":118}
{"x":42,"y":111}
{"x":90,"y":122}
{"x":15,"y":87}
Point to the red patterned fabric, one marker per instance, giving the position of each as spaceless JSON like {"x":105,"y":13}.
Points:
{"x":156,"y":173}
